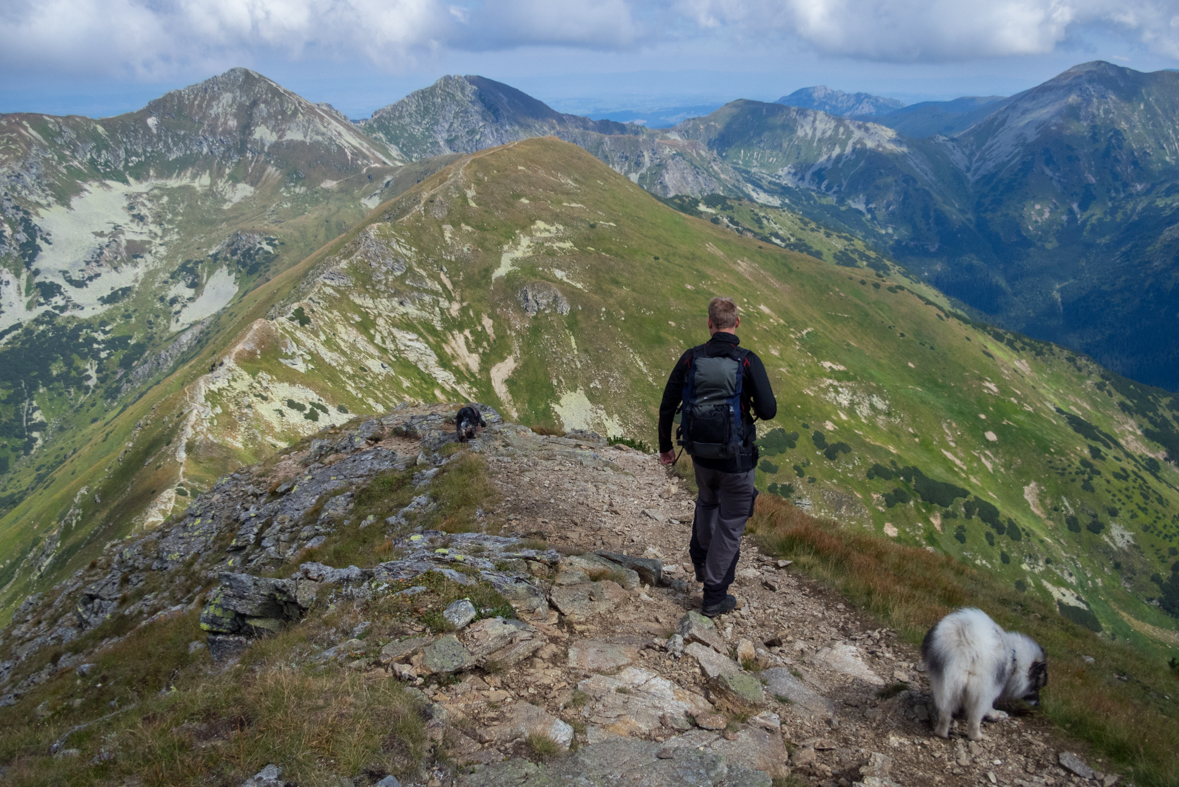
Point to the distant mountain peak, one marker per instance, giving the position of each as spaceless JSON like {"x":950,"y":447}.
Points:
{"x":837,"y":102}
{"x":462,"y":114}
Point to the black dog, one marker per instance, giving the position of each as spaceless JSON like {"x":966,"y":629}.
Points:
{"x":467,"y":421}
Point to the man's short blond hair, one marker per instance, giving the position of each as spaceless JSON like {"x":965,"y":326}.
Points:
{"x":722,"y":312}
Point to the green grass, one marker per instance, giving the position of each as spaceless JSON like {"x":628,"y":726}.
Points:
{"x":463,"y":489}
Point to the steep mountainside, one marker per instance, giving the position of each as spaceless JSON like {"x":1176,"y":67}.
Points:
{"x":836,"y":102}
{"x":122,"y":240}
{"x":533,"y":277}
{"x":1052,"y":215}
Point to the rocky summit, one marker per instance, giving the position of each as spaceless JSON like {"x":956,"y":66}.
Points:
{"x":549,"y":638}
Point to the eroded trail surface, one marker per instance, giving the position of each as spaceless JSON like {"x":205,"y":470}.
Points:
{"x":794,"y":683}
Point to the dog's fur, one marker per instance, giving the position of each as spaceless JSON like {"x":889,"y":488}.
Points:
{"x":973,"y":664}
{"x":467,"y":422}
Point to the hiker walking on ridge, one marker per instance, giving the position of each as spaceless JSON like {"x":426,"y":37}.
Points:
{"x":720,"y":388}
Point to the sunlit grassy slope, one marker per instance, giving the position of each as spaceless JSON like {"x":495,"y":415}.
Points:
{"x":896,"y":416}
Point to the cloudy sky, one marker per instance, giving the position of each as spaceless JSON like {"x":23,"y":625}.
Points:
{"x":100,"y":57}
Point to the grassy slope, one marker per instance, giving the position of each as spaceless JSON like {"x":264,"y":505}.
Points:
{"x":867,"y":364}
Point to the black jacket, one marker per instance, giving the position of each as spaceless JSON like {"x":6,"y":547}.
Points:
{"x":756,"y":397}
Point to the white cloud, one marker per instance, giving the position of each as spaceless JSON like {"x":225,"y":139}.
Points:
{"x":152,"y":38}
{"x":940,"y":30}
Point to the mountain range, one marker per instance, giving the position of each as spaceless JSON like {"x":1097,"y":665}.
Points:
{"x":960,"y":210}
{"x":536,"y":278}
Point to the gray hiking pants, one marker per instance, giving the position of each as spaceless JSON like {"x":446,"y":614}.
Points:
{"x":722,"y":508}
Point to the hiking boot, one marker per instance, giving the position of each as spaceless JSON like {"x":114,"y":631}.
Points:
{"x":727,"y":604}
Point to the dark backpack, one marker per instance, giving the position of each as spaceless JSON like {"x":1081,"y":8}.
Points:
{"x":711,"y":423}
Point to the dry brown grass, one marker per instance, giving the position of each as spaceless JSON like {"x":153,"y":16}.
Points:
{"x":1121,"y":704}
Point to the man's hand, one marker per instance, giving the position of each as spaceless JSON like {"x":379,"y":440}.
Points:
{"x":667,"y":457}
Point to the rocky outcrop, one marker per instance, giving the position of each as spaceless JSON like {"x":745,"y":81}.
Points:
{"x":245,"y":607}
{"x":540,"y":297}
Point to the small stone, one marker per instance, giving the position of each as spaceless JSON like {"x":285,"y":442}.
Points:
{"x":771,"y":584}
{"x":1076,"y":765}
{"x":784,"y":563}
{"x":405,"y":672}
{"x":675,"y":645}
{"x":665,"y":754}
{"x":460,"y":613}
{"x":712,"y":663}
{"x":878,"y":765}
{"x":270,"y":776}
{"x":84,"y":670}
{"x":767,"y":721}
{"x":825,"y":744}
{"x":745,"y":652}
{"x":1110,"y":780}
{"x":803,"y":757}
{"x":388,"y":781}
{"x":711,"y":721}
{"x":900,"y":676}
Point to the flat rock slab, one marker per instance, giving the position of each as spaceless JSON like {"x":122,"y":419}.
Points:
{"x":753,"y":748}
{"x":446,"y":654}
{"x":621,"y":761}
{"x":634,"y":701}
{"x":781,"y":683}
{"x":713,"y":663}
{"x":846,"y":658}
{"x":594,"y":656}
{"x":403,"y":650}
{"x":581,"y":602}
{"x":524,"y":719}
{"x":502,"y":643}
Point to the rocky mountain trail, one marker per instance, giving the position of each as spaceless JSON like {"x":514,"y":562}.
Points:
{"x":566,"y":647}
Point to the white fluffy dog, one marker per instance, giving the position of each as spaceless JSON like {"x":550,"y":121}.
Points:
{"x":973,"y":664}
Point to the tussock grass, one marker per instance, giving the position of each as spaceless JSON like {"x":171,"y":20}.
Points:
{"x":1121,"y":704}
{"x":542,"y":747}
{"x":462,"y":489}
